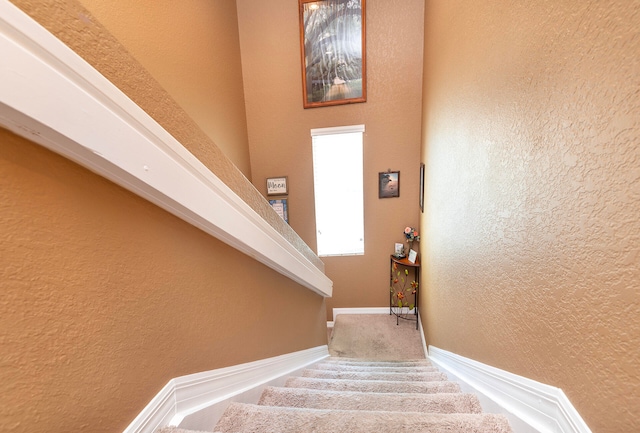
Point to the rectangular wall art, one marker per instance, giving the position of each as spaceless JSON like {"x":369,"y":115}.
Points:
{"x":389,"y":184}
{"x":332,"y":46}
{"x":281,"y":208}
{"x":277,"y":186}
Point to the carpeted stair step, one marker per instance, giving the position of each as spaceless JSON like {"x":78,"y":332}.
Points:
{"x":366,"y":375}
{"x":334,"y":366}
{"x":177,"y":430}
{"x":372,"y":385}
{"x":250,"y":418}
{"x":363,"y":395}
{"x":413,"y":402}
{"x":365,"y":363}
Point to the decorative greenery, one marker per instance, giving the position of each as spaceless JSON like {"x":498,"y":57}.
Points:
{"x":400,"y":290}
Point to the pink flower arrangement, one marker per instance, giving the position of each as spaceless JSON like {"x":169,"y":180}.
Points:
{"x":411,"y":234}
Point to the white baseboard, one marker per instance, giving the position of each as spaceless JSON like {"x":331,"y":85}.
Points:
{"x":364,"y":310}
{"x":423,"y":338}
{"x":530,"y":406}
{"x":187,"y":395}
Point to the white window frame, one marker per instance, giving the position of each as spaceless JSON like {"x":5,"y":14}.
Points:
{"x":350,"y":193}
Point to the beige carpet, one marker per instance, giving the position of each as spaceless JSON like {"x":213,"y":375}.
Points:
{"x":396,"y":376}
{"x":178,"y":430}
{"x":375,"y":337}
{"x":245,"y":418}
{"x":340,"y":400}
{"x":382,"y":383}
{"x":373,"y":385}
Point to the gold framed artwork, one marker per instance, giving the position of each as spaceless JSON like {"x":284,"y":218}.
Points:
{"x":332,"y":47}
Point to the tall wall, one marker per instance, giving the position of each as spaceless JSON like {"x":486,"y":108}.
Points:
{"x":532,"y":144}
{"x":279,"y":130}
{"x":105,"y":297}
{"x":192,"y":49}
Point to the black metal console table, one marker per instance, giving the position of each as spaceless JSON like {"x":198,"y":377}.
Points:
{"x":404,"y":266}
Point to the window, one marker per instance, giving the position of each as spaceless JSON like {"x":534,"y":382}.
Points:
{"x":338,"y":186}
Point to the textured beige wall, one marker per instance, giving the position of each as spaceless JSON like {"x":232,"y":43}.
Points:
{"x":105,"y":297}
{"x":192,"y":49}
{"x":69,"y":21}
{"x":279,"y":130}
{"x":532,"y":141}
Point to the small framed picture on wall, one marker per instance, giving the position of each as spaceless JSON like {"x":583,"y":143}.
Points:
{"x":277,"y":185}
{"x":389,"y":184}
{"x":281,"y":206}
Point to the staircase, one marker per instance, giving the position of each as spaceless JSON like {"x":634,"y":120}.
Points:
{"x":345,"y":395}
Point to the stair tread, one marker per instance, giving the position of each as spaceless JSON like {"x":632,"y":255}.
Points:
{"x":372,"y":385}
{"x":353,"y":400}
{"x":177,"y":430}
{"x":242,"y":417}
{"x":374,"y":375}
{"x":334,"y":366}
{"x":357,"y":361}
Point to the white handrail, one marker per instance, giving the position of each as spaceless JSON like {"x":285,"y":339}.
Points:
{"x":50,"y":95}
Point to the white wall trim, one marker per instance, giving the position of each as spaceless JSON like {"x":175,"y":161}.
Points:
{"x":337,"y":130}
{"x":363,"y":310}
{"x":423,"y":338}
{"x":50,"y":95}
{"x":544,"y":408}
{"x":186,"y":395}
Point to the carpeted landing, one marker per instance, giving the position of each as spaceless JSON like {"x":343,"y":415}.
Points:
{"x":343,"y":395}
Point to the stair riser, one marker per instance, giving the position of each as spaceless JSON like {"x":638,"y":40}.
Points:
{"x":412,"y":369}
{"x":373,"y":386}
{"x":423,"y":362}
{"x":401,"y":377}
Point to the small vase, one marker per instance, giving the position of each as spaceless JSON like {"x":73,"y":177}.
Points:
{"x":409,"y":247}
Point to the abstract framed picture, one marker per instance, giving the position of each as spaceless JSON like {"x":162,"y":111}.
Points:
{"x":333,"y":54}
{"x":389,"y":184}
